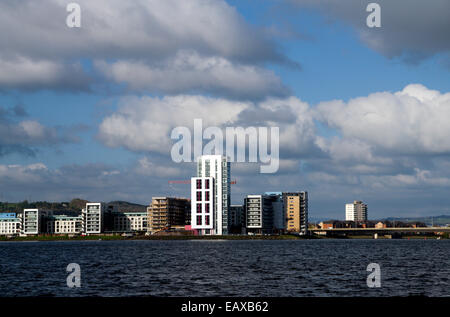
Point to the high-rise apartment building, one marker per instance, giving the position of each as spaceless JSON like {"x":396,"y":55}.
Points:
{"x":203,"y":215}
{"x":357,"y":211}
{"x":279,"y":214}
{"x":165,"y":212}
{"x":296,"y":209}
{"x":217,"y":167}
{"x":236,"y":218}
{"x":93,"y":218}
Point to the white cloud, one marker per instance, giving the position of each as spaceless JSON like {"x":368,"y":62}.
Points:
{"x":145,"y":124}
{"x":190,"y":72}
{"x":144,"y":40}
{"x":411,"y":121}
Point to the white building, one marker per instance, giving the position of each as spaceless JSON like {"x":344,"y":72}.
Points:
{"x":217,"y":167}
{"x":203,"y":215}
{"x":34,"y":221}
{"x":357,"y":211}
{"x":130,"y":221}
{"x":10,"y":224}
{"x":259,"y":214}
{"x":92,"y":217}
{"x":63,"y":224}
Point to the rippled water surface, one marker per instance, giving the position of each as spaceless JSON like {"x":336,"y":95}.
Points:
{"x":226,"y":268}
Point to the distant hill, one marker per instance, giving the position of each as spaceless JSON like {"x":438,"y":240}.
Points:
{"x":126,"y":206}
{"x":71,"y":208}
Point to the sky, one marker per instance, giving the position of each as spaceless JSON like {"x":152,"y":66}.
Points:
{"x":363,"y":113}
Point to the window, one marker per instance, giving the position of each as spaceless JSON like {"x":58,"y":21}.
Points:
{"x":199,"y":183}
{"x":207,"y":208}
{"x":207,"y":196}
{"x":206,"y":184}
{"x":199,"y":208}
{"x":207,"y":220}
{"x":199,"y":196}
{"x":199,"y":220}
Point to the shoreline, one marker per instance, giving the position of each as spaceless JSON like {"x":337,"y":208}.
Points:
{"x":192,"y":238}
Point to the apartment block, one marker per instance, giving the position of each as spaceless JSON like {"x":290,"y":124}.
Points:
{"x":10,"y":224}
{"x":237,"y":218}
{"x":165,"y":212}
{"x":279,"y":214}
{"x":259,"y":214}
{"x":217,"y":167}
{"x":34,"y":221}
{"x":296,"y":209}
{"x":63,"y":224}
{"x":130,"y":221}
{"x":203,"y":215}
{"x":357,"y":211}
{"x":93,"y":218}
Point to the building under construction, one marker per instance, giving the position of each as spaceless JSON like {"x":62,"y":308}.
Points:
{"x":167,"y":212}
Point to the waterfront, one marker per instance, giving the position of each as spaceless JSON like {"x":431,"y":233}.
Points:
{"x":226,"y":268}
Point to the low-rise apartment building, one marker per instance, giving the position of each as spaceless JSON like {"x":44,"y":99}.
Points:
{"x":10,"y":224}
{"x":63,"y":224}
{"x":130,"y":221}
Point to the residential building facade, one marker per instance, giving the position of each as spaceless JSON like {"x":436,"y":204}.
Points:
{"x":357,"y":211}
{"x":165,"y":212}
{"x":279,"y":214}
{"x":296,"y":210}
{"x":259,"y":214}
{"x":203,"y":215}
{"x":34,"y":221}
{"x":217,"y":167}
{"x":10,"y":224}
{"x":130,"y":221}
{"x":237,"y":218}
{"x":93,"y":218}
{"x":63,"y":224}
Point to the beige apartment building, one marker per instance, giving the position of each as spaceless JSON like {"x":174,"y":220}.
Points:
{"x":296,"y":210}
{"x":166,"y":212}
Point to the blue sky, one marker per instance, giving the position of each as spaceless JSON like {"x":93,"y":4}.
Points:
{"x":91,"y":84}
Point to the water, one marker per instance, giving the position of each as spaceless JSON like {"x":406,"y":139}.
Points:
{"x":226,"y":268}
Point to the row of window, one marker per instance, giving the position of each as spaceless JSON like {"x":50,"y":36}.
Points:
{"x":199,"y":221}
{"x":199,"y":196}
{"x":199,"y":208}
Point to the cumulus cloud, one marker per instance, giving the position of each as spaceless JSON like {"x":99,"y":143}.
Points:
{"x":142,"y":43}
{"x":145,"y":124}
{"x":190,"y":72}
{"x":413,"y":29}
{"x":411,"y":121}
